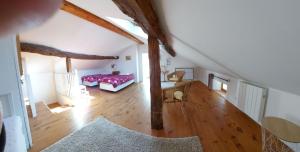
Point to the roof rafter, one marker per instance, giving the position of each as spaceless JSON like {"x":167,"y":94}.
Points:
{"x":144,"y":15}
{"x":49,"y":51}
{"x":79,"y":12}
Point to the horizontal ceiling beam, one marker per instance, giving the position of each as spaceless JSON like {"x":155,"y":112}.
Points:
{"x":79,"y":12}
{"x":49,"y":51}
{"x":144,"y":15}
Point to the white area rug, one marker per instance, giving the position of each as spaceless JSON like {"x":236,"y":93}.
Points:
{"x":104,"y":136}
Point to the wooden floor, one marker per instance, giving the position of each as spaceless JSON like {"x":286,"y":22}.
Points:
{"x":220,"y":126}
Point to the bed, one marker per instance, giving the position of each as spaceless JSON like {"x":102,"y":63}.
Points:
{"x":108,"y":82}
{"x":115,"y":83}
{"x":93,"y":80}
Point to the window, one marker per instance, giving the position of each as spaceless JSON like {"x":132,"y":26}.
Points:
{"x":129,"y":26}
{"x":224,"y":87}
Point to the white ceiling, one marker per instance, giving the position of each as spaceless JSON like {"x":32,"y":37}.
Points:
{"x":70,"y":33}
{"x":254,"y":40}
{"x":73,"y":34}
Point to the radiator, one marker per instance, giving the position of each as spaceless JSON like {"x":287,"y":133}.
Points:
{"x":252,"y":100}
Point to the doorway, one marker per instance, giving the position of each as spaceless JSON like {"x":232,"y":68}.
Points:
{"x":27,"y":89}
{"x":145,"y":62}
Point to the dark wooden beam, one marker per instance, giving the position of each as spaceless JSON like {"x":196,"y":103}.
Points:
{"x":68,"y":64}
{"x":144,"y":15}
{"x":77,"y":11}
{"x":49,"y":51}
{"x":155,"y":87}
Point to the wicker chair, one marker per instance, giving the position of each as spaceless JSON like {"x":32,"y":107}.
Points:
{"x":178,"y":93}
{"x":176,"y":76}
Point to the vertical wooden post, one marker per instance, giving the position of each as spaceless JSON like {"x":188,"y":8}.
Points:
{"x":155,"y":87}
{"x":68,"y":64}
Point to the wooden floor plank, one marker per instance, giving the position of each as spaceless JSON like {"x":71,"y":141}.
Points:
{"x":219,"y":125}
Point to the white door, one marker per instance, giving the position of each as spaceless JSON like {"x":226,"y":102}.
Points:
{"x":10,"y":84}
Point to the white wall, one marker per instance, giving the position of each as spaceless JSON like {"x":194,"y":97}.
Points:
{"x":141,"y":49}
{"x":233,"y":85}
{"x":40,"y":69}
{"x":175,"y":62}
{"x":283,"y":104}
{"x":62,"y":81}
{"x":43,"y":87}
{"x":128,"y":66}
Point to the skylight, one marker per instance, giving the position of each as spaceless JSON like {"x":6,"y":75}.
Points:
{"x":129,"y":26}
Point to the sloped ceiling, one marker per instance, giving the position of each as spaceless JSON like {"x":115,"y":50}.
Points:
{"x":103,"y":8}
{"x":71,"y":33}
{"x":253,"y":40}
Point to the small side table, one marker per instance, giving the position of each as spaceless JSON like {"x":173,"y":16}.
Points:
{"x":276,"y":129}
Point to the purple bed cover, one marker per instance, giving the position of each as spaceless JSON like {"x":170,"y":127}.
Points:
{"x":115,"y":80}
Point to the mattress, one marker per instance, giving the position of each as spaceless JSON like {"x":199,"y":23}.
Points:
{"x":110,"y":87}
{"x":15,"y":139}
{"x":116,"y":80}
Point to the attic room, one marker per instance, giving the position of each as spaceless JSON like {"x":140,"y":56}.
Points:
{"x":149,"y":75}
